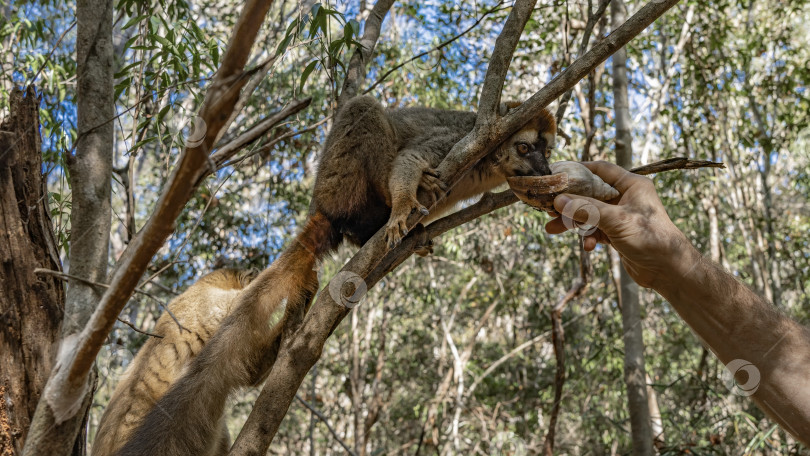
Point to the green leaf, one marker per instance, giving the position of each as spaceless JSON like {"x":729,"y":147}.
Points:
{"x":292,"y":25}
{"x":166,"y":43}
{"x":355,"y":27}
{"x":304,"y":21}
{"x":129,"y":42}
{"x":121,"y":87}
{"x":283,"y":45}
{"x":318,"y":21}
{"x":348,"y":30}
{"x":215,"y":54}
{"x":334,"y":48}
{"x":306,"y":74}
{"x":123,"y":71}
{"x":154,"y":24}
{"x":134,"y":21}
{"x":142,"y":142}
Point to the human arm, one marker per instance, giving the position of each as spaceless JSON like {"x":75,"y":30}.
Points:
{"x":733,"y":321}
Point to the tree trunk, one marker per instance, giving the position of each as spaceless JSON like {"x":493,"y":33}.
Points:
{"x":61,"y":413}
{"x":634,"y":371}
{"x":31,"y":305}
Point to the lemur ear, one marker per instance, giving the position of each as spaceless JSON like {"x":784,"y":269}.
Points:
{"x":507,"y":106}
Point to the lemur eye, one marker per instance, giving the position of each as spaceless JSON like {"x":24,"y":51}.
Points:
{"x":523,"y":148}
{"x":548,"y":152}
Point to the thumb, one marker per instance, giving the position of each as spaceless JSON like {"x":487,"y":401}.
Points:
{"x":585,"y":210}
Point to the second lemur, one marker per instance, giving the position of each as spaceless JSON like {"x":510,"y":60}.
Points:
{"x":372,"y":166}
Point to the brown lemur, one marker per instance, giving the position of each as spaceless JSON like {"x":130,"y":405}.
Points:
{"x":373,"y":163}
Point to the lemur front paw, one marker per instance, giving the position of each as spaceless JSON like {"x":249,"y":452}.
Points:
{"x":397,"y":226}
{"x":432,"y":184}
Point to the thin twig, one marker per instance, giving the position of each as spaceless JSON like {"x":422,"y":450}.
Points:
{"x":64,"y":276}
{"x":583,"y":46}
{"x":50,"y":54}
{"x":271,"y":144}
{"x":434,"y":49}
{"x":325,"y":421}
{"x":226,"y":151}
{"x":134,"y":328}
{"x":671,"y":164}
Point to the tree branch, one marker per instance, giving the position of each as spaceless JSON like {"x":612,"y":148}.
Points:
{"x":358,"y":65}
{"x":229,"y":149}
{"x":325,"y":421}
{"x":671,"y":164}
{"x":78,"y":354}
{"x":440,"y":46}
{"x":266,"y":147}
{"x":498,"y":66}
{"x":300,"y":352}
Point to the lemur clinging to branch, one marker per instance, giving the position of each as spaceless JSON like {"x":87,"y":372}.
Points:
{"x":373,"y":163}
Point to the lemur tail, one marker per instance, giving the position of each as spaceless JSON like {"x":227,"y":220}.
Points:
{"x":187,"y":418}
{"x":319,"y":236}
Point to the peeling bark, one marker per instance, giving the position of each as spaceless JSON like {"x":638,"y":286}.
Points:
{"x":31,"y":306}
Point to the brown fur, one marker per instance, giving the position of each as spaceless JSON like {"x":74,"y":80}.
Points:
{"x":373,"y":163}
{"x":161,"y":361}
{"x":186,"y":419}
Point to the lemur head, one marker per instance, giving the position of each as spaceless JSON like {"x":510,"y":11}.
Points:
{"x":526,"y":152}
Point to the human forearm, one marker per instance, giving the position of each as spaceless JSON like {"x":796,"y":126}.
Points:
{"x":768,"y":353}
{"x":737,"y":324}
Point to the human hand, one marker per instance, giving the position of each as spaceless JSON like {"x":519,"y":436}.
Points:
{"x":635,"y":224}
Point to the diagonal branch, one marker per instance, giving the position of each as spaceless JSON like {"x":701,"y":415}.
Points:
{"x":325,"y":421}
{"x":498,"y":66}
{"x":438,"y":47}
{"x":266,"y":147}
{"x":257,"y":131}
{"x":358,"y":65}
{"x":265,"y":418}
{"x":78,"y":354}
{"x":299,"y":353}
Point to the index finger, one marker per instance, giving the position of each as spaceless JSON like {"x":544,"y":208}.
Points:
{"x":614,"y":175}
